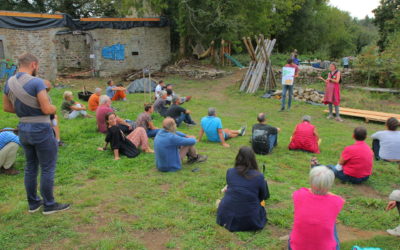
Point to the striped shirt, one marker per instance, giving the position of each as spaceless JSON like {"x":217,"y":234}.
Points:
{"x":6,"y":137}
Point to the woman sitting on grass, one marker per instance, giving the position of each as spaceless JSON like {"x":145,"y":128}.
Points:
{"x":315,"y":213}
{"x":386,"y":143}
{"x":242,"y":208}
{"x":305,"y":137}
{"x":72,"y":109}
{"x":126,"y":145}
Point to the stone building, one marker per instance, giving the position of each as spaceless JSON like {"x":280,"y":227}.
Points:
{"x":104,"y":46}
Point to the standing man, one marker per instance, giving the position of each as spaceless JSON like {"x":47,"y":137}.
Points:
{"x":286,"y":88}
{"x":346,"y":62}
{"x":25,"y":95}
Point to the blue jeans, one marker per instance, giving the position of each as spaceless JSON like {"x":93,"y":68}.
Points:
{"x":273,"y":139}
{"x":335,"y":235}
{"x":346,"y":178}
{"x":184,"y":118}
{"x":152,"y":132}
{"x":285,"y":89}
{"x":40,"y":148}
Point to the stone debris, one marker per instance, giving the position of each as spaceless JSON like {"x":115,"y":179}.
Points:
{"x":196,"y":71}
{"x":305,"y":95}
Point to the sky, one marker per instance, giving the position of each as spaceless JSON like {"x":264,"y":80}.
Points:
{"x":356,"y":8}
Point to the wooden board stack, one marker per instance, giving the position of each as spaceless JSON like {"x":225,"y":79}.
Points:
{"x":260,"y":68}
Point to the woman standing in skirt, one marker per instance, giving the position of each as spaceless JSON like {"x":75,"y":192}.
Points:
{"x":332,"y":91}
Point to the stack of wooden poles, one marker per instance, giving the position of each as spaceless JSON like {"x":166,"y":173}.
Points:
{"x":260,"y":68}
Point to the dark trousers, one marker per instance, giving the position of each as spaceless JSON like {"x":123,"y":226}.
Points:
{"x":151,"y":133}
{"x":375,"y":147}
{"x":186,"y":118}
{"x":346,"y":178}
{"x":41,"y":149}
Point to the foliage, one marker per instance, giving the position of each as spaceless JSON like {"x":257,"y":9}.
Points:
{"x":387,"y":18}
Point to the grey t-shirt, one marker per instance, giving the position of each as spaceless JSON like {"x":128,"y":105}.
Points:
{"x":389,"y":142}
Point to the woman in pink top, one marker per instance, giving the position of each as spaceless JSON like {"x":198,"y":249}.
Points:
{"x":332,"y":91}
{"x":305,"y":137}
{"x":315,"y":213}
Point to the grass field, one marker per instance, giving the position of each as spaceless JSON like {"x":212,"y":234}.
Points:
{"x":127,"y":204}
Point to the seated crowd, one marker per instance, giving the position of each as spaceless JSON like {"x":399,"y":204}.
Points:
{"x":243,"y":205}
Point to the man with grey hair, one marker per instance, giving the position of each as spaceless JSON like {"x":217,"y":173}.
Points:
{"x":103,"y":109}
{"x":94,"y":99}
{"x":26,"y":96}
{"x":305,"y":137}
{"x":394,"y":198}
{"x":171,"y":147}
{"x":211,"y":125}
{"x":264,"y":137}
{"x":178,"y":113}
{"x":315,"y":213}
{"x":160,"y":104}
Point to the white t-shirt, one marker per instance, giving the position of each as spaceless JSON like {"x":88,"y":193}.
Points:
{"x":389,"y":142}
{"x":158,"y":90}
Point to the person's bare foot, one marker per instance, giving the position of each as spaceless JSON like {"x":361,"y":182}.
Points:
{"x":149,"y":151}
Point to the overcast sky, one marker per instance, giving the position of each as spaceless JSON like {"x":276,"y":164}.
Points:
{"x":357,"y":8}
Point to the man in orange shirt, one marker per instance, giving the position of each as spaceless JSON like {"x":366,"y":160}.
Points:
{"x":94,"y":99}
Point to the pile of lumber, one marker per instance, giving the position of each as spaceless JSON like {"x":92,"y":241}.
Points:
{"x":305,"y":95}
{"x":260,"y":68}
{"x":368,"y":115}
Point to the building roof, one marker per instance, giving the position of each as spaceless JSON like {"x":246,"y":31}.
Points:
{"x":38,"y":21}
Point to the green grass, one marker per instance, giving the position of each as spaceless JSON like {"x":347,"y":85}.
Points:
{"x":128,"y":204}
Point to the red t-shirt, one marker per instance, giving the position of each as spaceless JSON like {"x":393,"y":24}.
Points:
{"x":314,"y":220}
{"x":296,"y":68}
{"x":304,"y":138}
{"x":358,"y":160}
{"x":101,"y":112}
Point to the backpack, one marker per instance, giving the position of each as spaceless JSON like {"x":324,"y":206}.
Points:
{"x":260,"y":141}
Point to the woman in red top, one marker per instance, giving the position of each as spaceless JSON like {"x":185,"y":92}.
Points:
{"x":305,"y":137}
{"x":332,"y":91}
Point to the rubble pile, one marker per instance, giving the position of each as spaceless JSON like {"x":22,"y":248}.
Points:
{"x":305,"y":95}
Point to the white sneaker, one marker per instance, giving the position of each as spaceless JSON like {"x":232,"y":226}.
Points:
{"x":395,"y":231}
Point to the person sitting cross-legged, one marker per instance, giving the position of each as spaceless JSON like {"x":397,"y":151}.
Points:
{"x":144,"y":120}
{"x":171,"y":147}
{"x":115,"y":93}
{"x":242,"y":207}
{"x":264,"y":137}
{"x":102,"y":110}
{"x":178,"y":113}
{"x":94,"y":100}
{"x":160,"y":104}
{"x":394,"y":198}
{"x":121,"y":144}
{"x":305,"y":137}
{"x":356,"y":162}
{"x":211,"y":125}
{"x":315,"y":213}
{"x":9,"y":144}
{"x":72,"y":109}
{"x":386,"y":144}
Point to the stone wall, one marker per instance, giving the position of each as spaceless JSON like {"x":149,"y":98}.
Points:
{"x":152,"y":46}
{"x":72,"y":51}
{"x":40,"y":43}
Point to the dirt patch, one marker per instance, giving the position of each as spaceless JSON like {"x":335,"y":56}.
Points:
{"x":347,"y":233}
{"x":156,"y":239}
{"x":165,"y":187}
{"x":364,"y":190}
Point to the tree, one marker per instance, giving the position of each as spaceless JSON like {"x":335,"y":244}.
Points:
{"x":387,"y":18}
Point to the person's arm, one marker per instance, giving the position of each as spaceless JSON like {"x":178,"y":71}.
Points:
{"x":375,"y":135}
{"x":74,"y":107}
{"x":316,"y":133}
{"x":183,"y":141}
{"x":7,"y":105}
{"x":264,"y":190}
{"x":44,"y":103}
{"x":201,"y":133}
{"x":341,"y":161}
{"x":118,"y":88}
{"x":222,"y":138}
{"x":151,"y":125}
{"x":123,"y":122}
{"x":182,"y":134}
{"x":187,"y":111}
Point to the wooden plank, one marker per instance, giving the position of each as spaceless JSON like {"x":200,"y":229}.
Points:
{"x":381,"y":90}
{"x":367,"y":117}
{"x":96,"y":19}
{"x":369,"y":112}
{"x":28,"y":14}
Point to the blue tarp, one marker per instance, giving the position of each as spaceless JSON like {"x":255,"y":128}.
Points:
{"x":115,"y":52}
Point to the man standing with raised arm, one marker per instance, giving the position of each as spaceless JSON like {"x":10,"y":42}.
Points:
{"x":26,"y":96}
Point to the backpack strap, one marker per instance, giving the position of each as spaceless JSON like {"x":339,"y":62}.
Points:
{"x":18,"y":92}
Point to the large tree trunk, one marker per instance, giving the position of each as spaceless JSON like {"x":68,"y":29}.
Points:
{"x":182,"y":46}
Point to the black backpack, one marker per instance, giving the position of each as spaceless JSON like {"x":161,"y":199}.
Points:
{"x":260,"y":142}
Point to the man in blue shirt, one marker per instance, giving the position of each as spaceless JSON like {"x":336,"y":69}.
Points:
{"x":26,"y":96}
{"x":171,"y":147}
{"x":212,"y":126}
{"x":114,"y":92}
{"x":9,"y":144}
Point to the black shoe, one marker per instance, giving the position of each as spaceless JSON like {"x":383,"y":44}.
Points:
{"x":191,"y":124}
{"x":242,"y":131}
{"x":199,"y":158}
{"x":61,"y":143}
{"x":57,"y":207}
{"x":35,"y":208}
